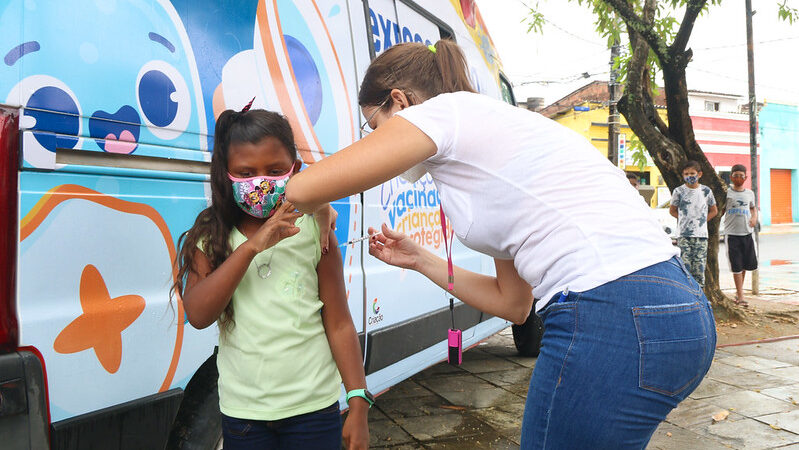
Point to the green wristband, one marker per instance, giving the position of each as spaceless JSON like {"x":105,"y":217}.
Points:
{"x":363,"y":393}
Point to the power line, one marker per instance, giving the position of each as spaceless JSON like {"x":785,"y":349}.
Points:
{"x":741,"y":80}
{"x":563,"y":80}
{"x":720,"y":47}
{"x":563,"y":30}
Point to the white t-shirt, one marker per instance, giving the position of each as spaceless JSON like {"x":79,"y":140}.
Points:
{"x":516,"y":185}
{"x":692,"y":206}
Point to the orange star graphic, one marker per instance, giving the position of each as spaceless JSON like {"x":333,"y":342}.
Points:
{"x":102,"y":322}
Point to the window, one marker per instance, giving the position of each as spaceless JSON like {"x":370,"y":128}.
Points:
{"x":711,"y":106}
{"x":507,"y":91}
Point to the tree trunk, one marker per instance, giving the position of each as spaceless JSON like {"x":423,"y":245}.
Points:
{"x":670,"y":145}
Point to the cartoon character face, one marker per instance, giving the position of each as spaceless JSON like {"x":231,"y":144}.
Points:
{"x":254,"y":197}
{"x":267,"y":188}
{"x":119,"y":74}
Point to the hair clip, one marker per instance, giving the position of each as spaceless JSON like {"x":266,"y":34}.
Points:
{"x":432,"y":48}
{"x":247,"y":106}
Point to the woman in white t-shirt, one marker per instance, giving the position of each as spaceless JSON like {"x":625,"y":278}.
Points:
{"x":629,"y":333}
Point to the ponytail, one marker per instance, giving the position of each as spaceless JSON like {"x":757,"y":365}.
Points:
{"x":452,"y":67}
{"x":417,"y":68}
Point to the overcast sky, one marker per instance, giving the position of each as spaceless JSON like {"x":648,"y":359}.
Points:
{"x":569,"y":47}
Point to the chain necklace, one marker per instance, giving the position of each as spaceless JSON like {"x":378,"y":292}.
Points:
{"x":265,"y":270}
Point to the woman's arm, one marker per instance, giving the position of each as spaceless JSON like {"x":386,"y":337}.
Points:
{"x":208,"y":290}
{"x":343,"y":342}
{"x":507,"y":295}
{"x":396,"y":146}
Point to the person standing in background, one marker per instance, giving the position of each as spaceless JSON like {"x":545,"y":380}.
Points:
{"x":693,"y":205}
{"x":740,"y":218}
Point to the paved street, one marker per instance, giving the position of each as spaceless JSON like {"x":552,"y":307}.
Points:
{"x":480,"y":403}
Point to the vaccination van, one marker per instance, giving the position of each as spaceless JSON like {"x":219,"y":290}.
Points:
{"x":107,"y":112}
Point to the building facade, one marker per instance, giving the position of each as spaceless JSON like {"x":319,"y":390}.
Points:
{"x":779,"y":177}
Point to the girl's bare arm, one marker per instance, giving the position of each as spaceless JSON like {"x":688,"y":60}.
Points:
{"x":208,"y":290}
{"x":343,"y":342}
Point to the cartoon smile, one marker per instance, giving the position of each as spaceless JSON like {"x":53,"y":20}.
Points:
{"x":118,"y":132}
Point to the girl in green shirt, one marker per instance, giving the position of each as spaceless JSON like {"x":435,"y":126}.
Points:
{"x":257,"y":267}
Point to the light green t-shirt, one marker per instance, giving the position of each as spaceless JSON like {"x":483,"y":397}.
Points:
{"x":276,"y":361}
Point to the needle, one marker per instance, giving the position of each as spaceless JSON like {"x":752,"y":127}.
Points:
{"x":360,"y":239}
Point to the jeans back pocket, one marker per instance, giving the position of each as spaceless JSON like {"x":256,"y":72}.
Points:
{"x":674,"y":344}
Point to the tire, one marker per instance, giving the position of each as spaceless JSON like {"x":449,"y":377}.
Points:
{"x":198,"y":424}
{"x":527,"y":336}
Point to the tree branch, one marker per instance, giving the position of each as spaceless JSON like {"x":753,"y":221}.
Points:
{"x":692,"y":10}
{"x":641,"y":25}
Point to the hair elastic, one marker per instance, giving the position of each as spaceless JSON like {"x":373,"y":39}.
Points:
{"x":247,"y":106}
{"x":432,"y":48}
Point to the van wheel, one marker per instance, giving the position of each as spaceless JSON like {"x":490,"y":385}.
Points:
{"x":527,"y":336}
{"x":198,"y":424}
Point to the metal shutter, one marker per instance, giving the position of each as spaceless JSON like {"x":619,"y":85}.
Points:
{"x":781,"y":196}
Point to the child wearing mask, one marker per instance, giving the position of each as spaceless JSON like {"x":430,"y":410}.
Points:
{"x":255,"y":266}
{"x":693,"y":205}
{"x":740,"y":218}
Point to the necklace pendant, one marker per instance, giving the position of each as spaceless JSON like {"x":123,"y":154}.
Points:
{"x":264,"y":270}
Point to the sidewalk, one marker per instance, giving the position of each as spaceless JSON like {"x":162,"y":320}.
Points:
{"x":480,"y":404}
{"x":781,"y":228}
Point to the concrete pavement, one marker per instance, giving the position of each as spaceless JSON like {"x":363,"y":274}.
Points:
{"x":480,"y":404}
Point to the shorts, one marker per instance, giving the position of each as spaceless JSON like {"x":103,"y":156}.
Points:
{"x":741,"y":253}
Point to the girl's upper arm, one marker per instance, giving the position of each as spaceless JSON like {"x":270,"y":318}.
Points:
{"x":396,"y":146}
{"x":330,"y":271}
{"x":200,"y":269}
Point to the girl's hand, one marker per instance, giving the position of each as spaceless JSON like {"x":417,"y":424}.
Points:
{"x":326,"y":219}
{"x":276,"y":228}
{"x":356,"y":429}
{"x":395,"y":248}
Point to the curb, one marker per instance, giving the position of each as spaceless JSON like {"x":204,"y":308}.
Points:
{"x":760,"y":341}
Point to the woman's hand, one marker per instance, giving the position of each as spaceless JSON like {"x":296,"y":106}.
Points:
{"x":395,"y":248}
{"x":326,"y":219}
{"x":276,"y":228}
{"x":356,"y":427}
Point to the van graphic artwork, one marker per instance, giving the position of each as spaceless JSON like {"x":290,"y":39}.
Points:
{"x":144,"y":49}
{"x":115,"y":104}
{"x":114,"y":312}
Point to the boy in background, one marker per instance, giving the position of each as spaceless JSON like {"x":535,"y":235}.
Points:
{"x":693,"y":205}
{"x":739,"y":220}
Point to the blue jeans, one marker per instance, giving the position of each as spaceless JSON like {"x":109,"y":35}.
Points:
{"x":317,"y":430}
{"x":617,"y":358}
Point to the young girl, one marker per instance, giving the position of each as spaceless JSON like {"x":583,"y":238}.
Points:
{"x":255,"y":265}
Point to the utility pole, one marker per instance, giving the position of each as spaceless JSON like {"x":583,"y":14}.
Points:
{"x":750,"y":54}
{"x":613,"y":111}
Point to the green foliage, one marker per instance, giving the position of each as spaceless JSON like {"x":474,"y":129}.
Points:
{"x":535,"y":19}
{"x":637,"y":151}
{"x":787,"y":12}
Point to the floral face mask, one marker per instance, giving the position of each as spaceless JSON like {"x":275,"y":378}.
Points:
{"x":259,"y":196}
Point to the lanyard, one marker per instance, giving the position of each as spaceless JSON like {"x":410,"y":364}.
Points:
{"x":448,"y":248}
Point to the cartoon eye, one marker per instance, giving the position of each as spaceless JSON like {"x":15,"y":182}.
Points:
{"x":52,"y":112}
{"x":164,"y":99}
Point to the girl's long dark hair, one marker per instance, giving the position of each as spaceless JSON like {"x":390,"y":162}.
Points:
{"x":213,"y":225}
